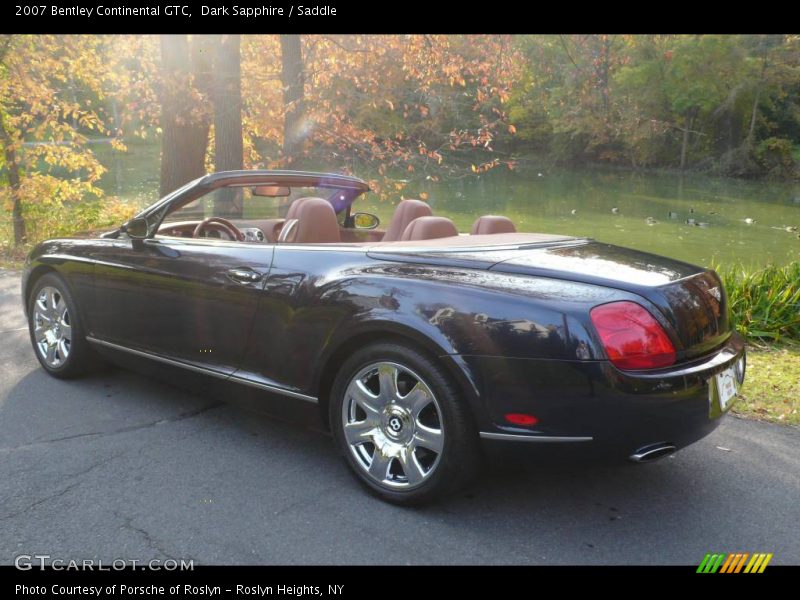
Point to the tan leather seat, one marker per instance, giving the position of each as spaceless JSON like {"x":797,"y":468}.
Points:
{"x":488,"y":224}
{"x":429,"y":228}
{"x":406,"y":211}
{"x":314,"y":223}
{"x":295,"y":206}
{"x":274,"y":228}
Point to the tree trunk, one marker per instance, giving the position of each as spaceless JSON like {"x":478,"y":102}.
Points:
{"x":603,"y":73}
{"x":751,"y":131}
{"x":228,"y":142}
{"x":185,"y":121}
{"x":729,"y":128}
{"x":762,"y":77}
{"x":13,"y":183}
{"x":293,"y":79}
{"x":688,"y":124}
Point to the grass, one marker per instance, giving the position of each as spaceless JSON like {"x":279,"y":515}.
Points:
{"x":764,"y":303}
{"x":771,"y":391}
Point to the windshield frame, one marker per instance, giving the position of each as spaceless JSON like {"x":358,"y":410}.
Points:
{"x":345,"y":190}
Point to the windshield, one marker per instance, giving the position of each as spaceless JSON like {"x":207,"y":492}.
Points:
{"x":241,"y":203}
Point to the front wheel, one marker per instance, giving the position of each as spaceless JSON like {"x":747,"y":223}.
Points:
{"x":55,"y":328}
{"x":401,"y":425}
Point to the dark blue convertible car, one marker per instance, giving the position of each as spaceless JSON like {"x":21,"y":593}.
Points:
{"x":419,"y":346}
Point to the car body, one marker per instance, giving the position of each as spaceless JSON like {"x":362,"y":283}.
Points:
{"x":503,"y":330}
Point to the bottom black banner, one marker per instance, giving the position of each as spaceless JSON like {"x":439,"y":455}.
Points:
{"x":188,"y":580}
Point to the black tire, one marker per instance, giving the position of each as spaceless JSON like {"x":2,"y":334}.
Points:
{"x":77,"y":359}
{"x":447,"y":470}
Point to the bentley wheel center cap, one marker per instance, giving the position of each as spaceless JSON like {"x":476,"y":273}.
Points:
{"x":396,"y":423}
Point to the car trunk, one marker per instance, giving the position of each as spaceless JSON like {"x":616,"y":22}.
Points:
{"x":690,"y":299}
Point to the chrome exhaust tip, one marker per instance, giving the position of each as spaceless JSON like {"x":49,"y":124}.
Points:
{"x":652,"y":452}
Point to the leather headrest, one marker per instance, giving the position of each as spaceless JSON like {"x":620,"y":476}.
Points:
{"x":295,"y":206}
{"x":315,"y":223}
{"x":492,"y":224}
{"x":406,"y":211}
{"x":429,"y":228}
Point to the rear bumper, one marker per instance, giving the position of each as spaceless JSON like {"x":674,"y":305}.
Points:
{"x":594,"y":404}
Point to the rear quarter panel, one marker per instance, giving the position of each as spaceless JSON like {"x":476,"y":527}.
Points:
{"x":304,"y":319}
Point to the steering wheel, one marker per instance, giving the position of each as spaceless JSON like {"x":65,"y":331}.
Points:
{"x":219,"y":223}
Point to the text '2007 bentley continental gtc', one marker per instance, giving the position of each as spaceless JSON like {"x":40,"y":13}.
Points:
{"x":421,"y":347}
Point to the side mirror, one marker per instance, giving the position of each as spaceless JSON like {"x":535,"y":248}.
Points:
{"x":137,"y":228}
{"x":362,"y":220}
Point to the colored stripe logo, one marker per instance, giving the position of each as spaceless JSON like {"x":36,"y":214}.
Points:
{"x":738,"y":562}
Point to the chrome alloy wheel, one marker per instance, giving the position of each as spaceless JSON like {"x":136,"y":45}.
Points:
{"x":51,"y":326}
{"x":392,"y":425}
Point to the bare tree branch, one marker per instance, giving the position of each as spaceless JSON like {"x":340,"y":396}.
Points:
{"x":564,"y":45}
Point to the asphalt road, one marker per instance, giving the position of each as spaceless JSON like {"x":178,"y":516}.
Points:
{"x":120,"y":466}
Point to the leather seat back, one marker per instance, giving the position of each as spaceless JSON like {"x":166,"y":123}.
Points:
{"x":429,"y":228}
{"x":287,"y":225}
{"x":315,"y":223}
{"x":295,"y":206}
{"x":406,"y":211}
{"x":488,"y":224}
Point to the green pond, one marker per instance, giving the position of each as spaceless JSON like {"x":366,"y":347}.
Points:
{"x":753,"y":222}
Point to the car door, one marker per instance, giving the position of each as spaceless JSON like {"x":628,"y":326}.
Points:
{"x":297,"y":314}
{"x":192,"y":300}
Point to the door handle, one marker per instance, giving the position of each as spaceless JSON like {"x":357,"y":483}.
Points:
{"x":244,"y":275}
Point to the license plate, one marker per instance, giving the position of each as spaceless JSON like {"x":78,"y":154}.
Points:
{"x":726,"y":388}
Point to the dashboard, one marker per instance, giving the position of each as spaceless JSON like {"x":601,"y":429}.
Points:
{"x":253,"y":234}
{"x":185,"y":229}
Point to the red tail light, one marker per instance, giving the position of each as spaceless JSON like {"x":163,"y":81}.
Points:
{"x":633,"y":339}
{"x":521,"y":419}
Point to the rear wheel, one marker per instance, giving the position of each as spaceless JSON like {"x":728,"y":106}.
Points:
{"x":55,"y":328}
{"x":401,"y":425}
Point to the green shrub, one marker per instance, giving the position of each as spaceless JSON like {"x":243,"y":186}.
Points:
{"x":764,"y":303}
{"x":775,"y":155}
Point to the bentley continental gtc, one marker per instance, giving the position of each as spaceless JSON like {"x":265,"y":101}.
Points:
{"x":421,"y":347}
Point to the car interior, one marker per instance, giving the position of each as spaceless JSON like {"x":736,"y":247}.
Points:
{"x":311,"y":219}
